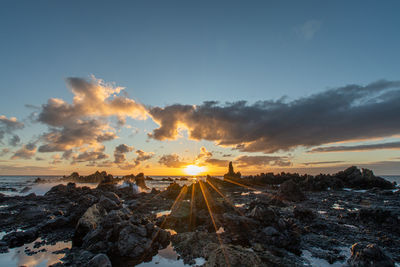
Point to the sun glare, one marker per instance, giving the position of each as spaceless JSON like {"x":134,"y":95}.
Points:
{"x":194,"y":170}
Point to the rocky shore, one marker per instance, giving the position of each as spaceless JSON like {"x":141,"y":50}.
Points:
{"x":351,"y":218}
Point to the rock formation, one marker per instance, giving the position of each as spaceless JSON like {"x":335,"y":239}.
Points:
{"x":231,"y":173}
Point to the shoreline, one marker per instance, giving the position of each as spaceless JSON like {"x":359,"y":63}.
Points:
{"x":264,"y":220}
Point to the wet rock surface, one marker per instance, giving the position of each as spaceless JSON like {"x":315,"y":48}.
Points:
{"x":369,"y":255}
{"x":351,"y":218}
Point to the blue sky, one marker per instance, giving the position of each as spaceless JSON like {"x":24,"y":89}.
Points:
{"x":167,"y":52}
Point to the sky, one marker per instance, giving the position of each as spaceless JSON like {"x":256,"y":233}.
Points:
{"x":154,"y":86}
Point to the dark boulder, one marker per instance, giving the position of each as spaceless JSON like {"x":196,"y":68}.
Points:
{"x":100,"y":260}
{"x":140,"y":181}
{"x":303,"y":214}
{"x":290,"y":191}
{"x":353,"y":177}
{"x":172,"y":191}
{"x":89,"y":221}
{"x":108,"y":204}
{"x":17,"y":239}
{"x":369,"y":255}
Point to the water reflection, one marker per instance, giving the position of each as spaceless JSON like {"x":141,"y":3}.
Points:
{"x":42,"y":256}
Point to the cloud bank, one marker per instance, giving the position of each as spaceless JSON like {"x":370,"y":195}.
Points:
{"x":389,"y":145}
{"x":340,"y":114}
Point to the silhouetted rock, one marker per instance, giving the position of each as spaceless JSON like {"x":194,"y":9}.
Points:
{"x":231,"y":173}
{"x":352,"y":177}
{"x":97,"y":177}
{"x":140,"y":181}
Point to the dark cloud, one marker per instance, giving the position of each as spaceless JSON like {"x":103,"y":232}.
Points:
{"x":26,"y":152}
{"x":390,"y":145}
{"x":217,"y":162}
{"x":107,"y":136}
{"x":11,"y":124}
{"x":8,"y":126}
{"x":120,"y":151}
{"x":172,"y":161}
{"x":346,"y":113}
{"x":67,"y":154}
{"x":124,"y":165}
{"x":105,"y":164}
{"x":142,"y":156}
{"x":32,"y":107}
{"x":91,"y":156}
{"x":254,"y":161}
{"x":14,"y":140}
{"x":322,"y":162}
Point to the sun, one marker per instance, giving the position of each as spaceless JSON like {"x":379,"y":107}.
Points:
{"x":194,"y":169}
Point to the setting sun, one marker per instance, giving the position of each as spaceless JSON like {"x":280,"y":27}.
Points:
{"x":194,"y":170}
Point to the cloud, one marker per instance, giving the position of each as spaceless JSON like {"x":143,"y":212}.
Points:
{"x":26,"y":152}
{"x":258,"y":161}
{"x":84,"y":124}
{"x":120,"y":151}
{"x":75,"y":134}
{"x":204,"y":153}
{"x":91,"y":98}
{"x":8,"y":126}
{"x":217,"y":162}
{"x":105,"y":164}
{"x":308,"y":29}
{"x":322,"y":162}
{"x":251,"y":161}
{"x":56,"y":159}
{"x":67,"y":154}
{"x":4,"y":151}
{"x":390,"y":145}
{"x":14,"y":140}
{"x":172,"y":161}
{"x":91,"y":156}
{"x":142,"y":156}
{"x":340,"y":114}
